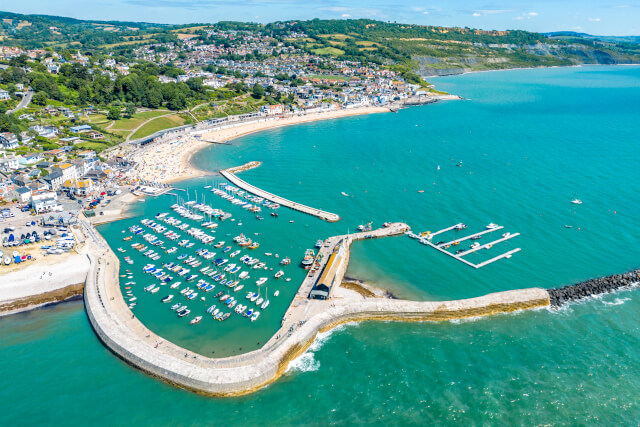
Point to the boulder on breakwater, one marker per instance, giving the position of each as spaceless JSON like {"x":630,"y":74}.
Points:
{"x":592,"y":287}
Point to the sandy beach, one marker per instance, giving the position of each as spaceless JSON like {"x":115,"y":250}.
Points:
{"x":169,"y":161}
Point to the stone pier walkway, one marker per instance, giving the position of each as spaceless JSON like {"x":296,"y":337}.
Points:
{"x":127,"y":337}
{"x":230,"y":175}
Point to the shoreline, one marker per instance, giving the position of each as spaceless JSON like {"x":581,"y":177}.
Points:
{"x":531,"y":68}
{"x":174,"y":163}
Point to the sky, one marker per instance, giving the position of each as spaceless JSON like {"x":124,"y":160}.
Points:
{"x":600,"y":17}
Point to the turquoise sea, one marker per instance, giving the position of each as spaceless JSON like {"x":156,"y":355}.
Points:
{"x":529,"y":142}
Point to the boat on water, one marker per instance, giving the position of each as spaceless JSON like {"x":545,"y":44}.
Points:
{"x":285,"y":261}
{"x":185,"y":312}
{"x":492,"y":226}
{"x":576,"y":201}
{"x":254,"y":316}
{"x":319,"y":243}
{"x":261,"y":281}
{"x":168,"y":298}
{"x":195,"y":320}
{"x":309,"y":256}
{"x":344,"y":194}
{"x":279,"y":274}
{"x":276,"y":293}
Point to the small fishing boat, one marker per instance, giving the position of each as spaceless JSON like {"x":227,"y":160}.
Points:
{"x":195,"y":320}
{"x":261,"y":281}
{"x":576,"y":201}
{"x":276,"y":293}
{"x":168,"y":298}
{"x":492,"y":226}
{"x":279,"y":274}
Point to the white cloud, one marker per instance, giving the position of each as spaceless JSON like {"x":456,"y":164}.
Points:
{"x":594,"y":19}
{"x":485,"y":12}
{"x":425,"y":13}
{"x":345,"y":15}
{"x":526,"y":15}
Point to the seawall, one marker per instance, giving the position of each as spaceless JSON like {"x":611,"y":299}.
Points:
{"x":593,"y":287}
{"x":120,"y":331}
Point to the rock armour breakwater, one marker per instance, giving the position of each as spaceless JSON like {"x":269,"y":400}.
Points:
{"x":592,"y":287}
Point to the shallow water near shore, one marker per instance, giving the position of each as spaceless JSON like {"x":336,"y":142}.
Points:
{"x":529,"y":142}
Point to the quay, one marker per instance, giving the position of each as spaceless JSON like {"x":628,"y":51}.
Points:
{"x":229,"y":174}
{"x":118,"y":328}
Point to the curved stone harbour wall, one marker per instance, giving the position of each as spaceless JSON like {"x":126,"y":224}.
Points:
{"x":592,"y":287}
{"x":243,"y":374}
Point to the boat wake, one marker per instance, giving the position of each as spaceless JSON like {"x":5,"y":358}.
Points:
{"x":306,"y":362}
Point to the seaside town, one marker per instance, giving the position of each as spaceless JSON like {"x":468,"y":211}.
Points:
{"x":219,"y":263}
{"x":58,"y":140}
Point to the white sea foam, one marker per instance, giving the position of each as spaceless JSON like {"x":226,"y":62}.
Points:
{"x":306,"y":362}
{"x":617,"y":301}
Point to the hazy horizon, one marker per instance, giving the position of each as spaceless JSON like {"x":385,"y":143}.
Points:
{"x":616,"y":18}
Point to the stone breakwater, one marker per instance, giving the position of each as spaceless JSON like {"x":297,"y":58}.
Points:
{"x":592,"y":287}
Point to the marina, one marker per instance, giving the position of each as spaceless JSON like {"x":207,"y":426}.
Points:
{"x":442,"y":246}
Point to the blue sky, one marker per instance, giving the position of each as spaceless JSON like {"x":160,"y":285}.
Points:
{"x":604,"y":17}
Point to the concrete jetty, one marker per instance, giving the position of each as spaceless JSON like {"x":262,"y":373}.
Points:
{"x":229,"y":174}
{"x":127,"y":337}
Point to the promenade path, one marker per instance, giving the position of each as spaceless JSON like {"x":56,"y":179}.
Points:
{"x":229,"y":174}
{"x":119,"y":329}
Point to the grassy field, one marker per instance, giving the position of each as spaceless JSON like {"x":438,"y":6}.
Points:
{"x":137,"y":120}
{"x":158,"y":124}
{"x":299,"y":39}
{"x":96,"y":146}
{"x":332,"y":51}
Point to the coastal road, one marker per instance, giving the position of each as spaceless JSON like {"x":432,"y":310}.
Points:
{"x":24,"y":103}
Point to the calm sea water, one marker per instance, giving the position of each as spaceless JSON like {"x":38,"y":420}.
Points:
{"x":529,"y":142}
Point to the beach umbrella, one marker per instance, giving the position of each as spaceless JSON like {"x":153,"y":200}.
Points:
{"x":11,"y":238}
{"x":17,"y":260}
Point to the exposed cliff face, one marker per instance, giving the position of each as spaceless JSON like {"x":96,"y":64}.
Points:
{"x":528,"y":56}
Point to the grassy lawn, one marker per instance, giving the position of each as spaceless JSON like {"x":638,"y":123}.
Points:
{"x":96,"y":119}
{"x":159,"y":124}
{"x":137,"y":119}
{"x":96,"y":146}
{"x":328,"y":51}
